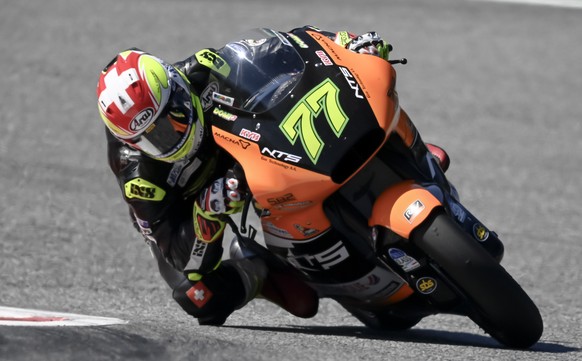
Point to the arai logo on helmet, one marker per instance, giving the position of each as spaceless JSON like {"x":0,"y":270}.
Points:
{"x":141,"y":120}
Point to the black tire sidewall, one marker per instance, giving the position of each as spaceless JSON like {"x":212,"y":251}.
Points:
{"x":500,"y":306}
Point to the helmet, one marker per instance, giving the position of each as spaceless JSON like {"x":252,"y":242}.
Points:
{"x":147,"y":104}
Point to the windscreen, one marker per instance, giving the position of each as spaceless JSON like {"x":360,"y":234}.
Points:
{"x":264,"y":68}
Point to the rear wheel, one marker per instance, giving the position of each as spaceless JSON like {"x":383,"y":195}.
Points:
{"x":497,"y":303}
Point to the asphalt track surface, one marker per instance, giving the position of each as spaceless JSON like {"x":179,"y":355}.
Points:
{"x":498,"y":85}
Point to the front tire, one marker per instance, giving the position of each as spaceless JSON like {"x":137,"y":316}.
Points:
{"x":497,"y":303}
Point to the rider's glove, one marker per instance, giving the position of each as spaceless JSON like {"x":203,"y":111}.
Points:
{"x":222,"y":197}
{"x":369,"y":43}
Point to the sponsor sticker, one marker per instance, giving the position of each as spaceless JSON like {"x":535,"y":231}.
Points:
{"x":278,"y":154}
{"x":324,"y":58}
{"x":403,"y":260}
{"x":144,"y":226}
{"x":293,"y":205}
{"x":175,"y":173}
{"x":141,"y":120}
{"x":306,"y":231}
{"x":142,"y":189}
{"x":224,"y":115}
{"x":250,"y":135}
{"x":196,"y":256}
{"x":271,"y":228}
{"x":458,"y":212}
{"x":206,"y":96}
{"x":413,"y":210}
{"x":352,"y":82}
{"x":222,"y":99}
{"x":281,"y":199}
{"x":426,"y":285}
{"x":242,"y":143}
{"x":481,"y":233}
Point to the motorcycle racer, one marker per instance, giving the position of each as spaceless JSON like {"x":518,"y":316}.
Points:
{"x":177,"y":183}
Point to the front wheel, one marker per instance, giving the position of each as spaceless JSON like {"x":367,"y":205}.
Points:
{"x":497,"y":303}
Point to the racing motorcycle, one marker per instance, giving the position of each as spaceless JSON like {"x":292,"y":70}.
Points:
{"x":346,"y":191}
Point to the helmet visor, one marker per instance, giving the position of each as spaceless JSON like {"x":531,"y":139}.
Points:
{"x":171,"y":130}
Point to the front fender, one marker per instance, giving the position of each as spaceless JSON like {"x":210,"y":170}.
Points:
{"x":403,"y":207}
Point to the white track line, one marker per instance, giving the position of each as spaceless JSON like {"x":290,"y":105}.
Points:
{"x":10,"y":316}
{"x":555,"y":3}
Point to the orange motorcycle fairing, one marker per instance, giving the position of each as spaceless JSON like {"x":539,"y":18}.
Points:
{"x":403,"y":207}
{"x":377,"y":79}
{"x":292,"y":194}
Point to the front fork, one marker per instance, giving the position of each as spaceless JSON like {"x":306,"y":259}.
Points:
{"x":397,"y":213}
{"x":472,"y":226}
{"x":419,"y":164}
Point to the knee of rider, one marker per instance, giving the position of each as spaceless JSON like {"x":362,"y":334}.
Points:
{"x":216,"y":294}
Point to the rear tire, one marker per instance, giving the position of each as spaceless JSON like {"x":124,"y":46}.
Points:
{"x":497,"y":302}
